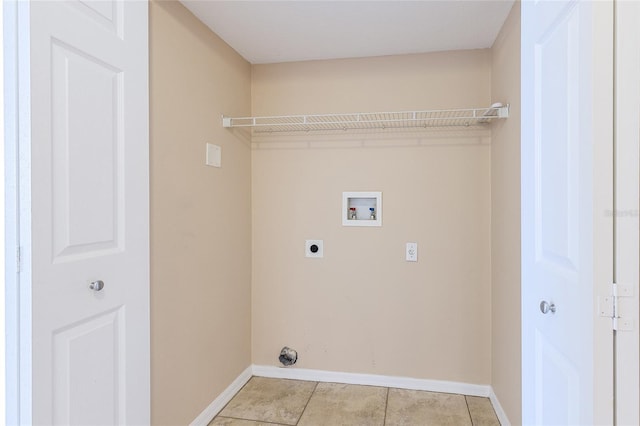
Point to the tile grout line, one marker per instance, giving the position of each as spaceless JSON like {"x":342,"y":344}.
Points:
{"x":249,"y":420}
{"x":229,"y":402}
{"x":468,"y":409}
{"x":307,"y":404}
{"x":386,"y":407}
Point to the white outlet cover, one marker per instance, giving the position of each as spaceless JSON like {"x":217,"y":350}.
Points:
{"x":411,"y":252}
{"x":314,"y":248}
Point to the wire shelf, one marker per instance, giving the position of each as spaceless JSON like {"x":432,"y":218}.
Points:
{"x":371,"y":120}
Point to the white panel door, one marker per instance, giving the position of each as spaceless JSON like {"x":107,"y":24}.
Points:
{"x":560,"y":179}
{"x":89,"y":212}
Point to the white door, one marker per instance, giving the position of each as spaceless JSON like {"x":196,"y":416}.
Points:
{"x":627,"y":210}
{"x":88,"y":211}
{"x":566,"y":237}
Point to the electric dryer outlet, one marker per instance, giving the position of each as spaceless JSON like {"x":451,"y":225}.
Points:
{"x":314,"y":248}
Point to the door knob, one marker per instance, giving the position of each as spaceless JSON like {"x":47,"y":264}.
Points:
{"x":97,"y":285}
{"x":546,"y":307}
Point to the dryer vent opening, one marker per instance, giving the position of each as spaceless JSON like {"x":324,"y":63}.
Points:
{"x":288,"y":356}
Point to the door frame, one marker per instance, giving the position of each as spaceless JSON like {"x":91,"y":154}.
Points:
{"x":10,"y":198}
{"x":3,"y":327}
{"x":17,"y":207}
{"x":625,"y":214}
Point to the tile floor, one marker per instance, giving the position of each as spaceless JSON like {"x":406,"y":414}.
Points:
{"x":264,"y":402}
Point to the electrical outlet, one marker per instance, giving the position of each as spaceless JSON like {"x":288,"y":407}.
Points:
{"x":412,"y":252}
{"x":314,"y":248}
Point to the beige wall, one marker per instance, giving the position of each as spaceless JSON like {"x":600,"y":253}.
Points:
{"x":200,"y":217}
{"x":505,"y":221}
{"x":362,"y":308}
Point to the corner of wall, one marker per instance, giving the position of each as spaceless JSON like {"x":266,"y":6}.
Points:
{"x":505,"y":218}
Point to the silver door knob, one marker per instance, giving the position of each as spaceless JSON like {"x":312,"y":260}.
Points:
{"x":97,"y":285}
{"x":546,"y":307}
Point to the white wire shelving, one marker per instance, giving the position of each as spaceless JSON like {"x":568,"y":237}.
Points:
{"x":470,"y":117}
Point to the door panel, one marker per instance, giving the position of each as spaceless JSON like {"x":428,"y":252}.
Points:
{"x":106,"y":13}
{"x":85,"y":180}
{"x":556,"y":144}
{"x":89,"y":212}
{"x":89,"y":362}
{"x":561,"y":181}
{"x":555,"y":371}
{"x":556,"y":219}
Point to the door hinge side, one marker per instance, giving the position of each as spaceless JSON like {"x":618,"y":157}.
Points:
{"x":613,"y":308}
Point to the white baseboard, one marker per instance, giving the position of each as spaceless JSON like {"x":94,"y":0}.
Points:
{"x":372,"y":380}
{"x":349,"y":378}
{"x":502,"y":416}
{"x":223,"y":399}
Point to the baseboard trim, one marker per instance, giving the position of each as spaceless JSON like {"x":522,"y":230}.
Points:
{"x":502,"y":416}
{"x":372,"y":380}
{"x":223,"y":399}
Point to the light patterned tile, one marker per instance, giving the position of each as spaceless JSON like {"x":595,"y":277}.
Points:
{"x":410,"y":407}
{"x":270,"y":400}
{"x":482,"y":413}
{"x":334,"y":404}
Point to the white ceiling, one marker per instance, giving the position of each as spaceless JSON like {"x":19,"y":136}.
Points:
{"x":284,"y":31}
